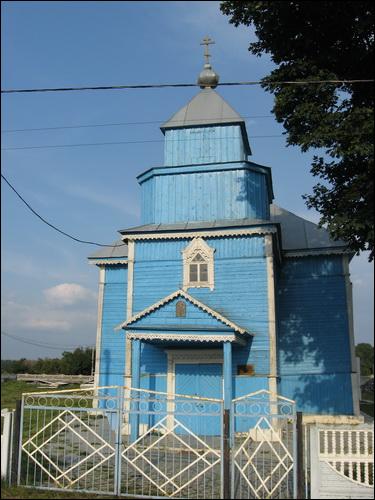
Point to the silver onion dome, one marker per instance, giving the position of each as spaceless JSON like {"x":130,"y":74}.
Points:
{"x":207,"y":77}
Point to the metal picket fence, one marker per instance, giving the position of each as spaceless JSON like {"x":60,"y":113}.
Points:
{"x":134,"y":442}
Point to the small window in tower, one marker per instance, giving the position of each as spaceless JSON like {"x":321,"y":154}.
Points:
{"x":180,"y":309}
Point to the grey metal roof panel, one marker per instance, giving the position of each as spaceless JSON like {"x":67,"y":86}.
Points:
{"x":119,"y":249}
{"x":298,"y":233}
{"x":206,"y":108}
{"x":149,"y":228}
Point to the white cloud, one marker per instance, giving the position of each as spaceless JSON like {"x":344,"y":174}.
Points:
{"x":68,"y":294}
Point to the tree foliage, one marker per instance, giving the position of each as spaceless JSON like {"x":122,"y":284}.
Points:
{"x":77,"y":362}
{"x":366,"y":354}
{"x":310,"y":40}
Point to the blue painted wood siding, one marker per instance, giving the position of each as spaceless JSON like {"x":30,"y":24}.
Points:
{"x":205,"y":195}
{"x":313,"y":335}
{"x":240,"y":293}
{"x":165,"y":317}
{"x":185,"y":146}
{"x":112,"y":359}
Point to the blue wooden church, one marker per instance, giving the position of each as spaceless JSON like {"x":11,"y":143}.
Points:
{"x":219,"y":292}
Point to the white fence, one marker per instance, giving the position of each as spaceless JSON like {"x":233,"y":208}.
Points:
{"x":6,"y":441}
{"x":342,"y":461}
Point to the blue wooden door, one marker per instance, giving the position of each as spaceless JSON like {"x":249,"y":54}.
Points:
{"x":205,"y":380}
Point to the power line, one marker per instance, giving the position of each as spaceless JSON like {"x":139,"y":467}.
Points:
{"x":149,"y":141}
{"x":117,"y":124}
{"x":39,"y":344}
{"x":175,"y":85}
{"x":51,"y":225}
{"x":118,"y":142}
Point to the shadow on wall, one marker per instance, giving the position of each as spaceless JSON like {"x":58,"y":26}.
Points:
{"x":106,"y":370}
{"x":254,"y":193}
{"x":314,"y":360}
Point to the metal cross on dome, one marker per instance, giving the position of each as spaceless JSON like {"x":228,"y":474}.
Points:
{"x":207,"y":41}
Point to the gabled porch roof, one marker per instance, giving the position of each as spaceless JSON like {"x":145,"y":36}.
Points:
{"x":200,"y":323}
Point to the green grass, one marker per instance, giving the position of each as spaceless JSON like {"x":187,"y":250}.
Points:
{"x":12,"y":390}
{"x":20,"y":492}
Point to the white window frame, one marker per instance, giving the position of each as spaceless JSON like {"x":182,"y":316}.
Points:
{"x":198,"y":245}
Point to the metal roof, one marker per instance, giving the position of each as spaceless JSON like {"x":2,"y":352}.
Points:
{"x":206,"y":108}
{"x":186,"y":226}
{"x":119,"y":249}
{"x":297,"y":233}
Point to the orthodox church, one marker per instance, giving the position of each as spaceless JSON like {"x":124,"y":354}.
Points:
{"x":220,"y":292}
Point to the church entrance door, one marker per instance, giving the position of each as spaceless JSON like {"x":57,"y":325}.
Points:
{"x":203,"y":380}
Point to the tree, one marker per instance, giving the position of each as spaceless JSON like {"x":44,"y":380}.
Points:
{"x":324,"y":40}
{"x":366,"y":354}
{"x":77,"y":362}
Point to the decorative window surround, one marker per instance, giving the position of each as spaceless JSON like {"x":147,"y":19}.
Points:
{"x":198,"y":248}
{"x":198,"y":303}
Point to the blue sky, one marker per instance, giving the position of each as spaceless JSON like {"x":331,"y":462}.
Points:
{"x":48,"y":288}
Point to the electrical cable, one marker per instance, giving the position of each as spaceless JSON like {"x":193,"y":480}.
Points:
{"x":118,"y":124}
{"x":175,"y":85}
{"x":149,"y":141}
{"x":51,"y":225}
{"x":40,"y":344}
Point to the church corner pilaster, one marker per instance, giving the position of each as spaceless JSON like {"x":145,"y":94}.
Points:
{"x":349,"y":308}
{"x":271,"y":313}
{"x":99,"y":328}
{"x":129,"y":313}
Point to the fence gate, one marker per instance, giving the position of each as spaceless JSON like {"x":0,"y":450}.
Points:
{"x":129,"y":442}
{"x":134,"y":442}
{"x":178,"y":453}
{"x":263,"y":429}
{"x":68,"y":441}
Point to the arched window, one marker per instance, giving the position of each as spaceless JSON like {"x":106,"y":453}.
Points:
{"x":198,"y":261}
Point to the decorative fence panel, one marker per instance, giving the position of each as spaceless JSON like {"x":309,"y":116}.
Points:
{"x":172,"y":456}
{"x":342,"y":461}
{"x":69,"y":441}
{"x":139,"y":443}
{"x":125,"y":442}
{"x":263,"y":446}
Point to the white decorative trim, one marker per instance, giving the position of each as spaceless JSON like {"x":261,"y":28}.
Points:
{"x":349,"y":308}
{"x":109,"y":262}
{"x":181,"y":337}
{"x":129,"y":312}
{"x":271,"y":314}
{"x":99,"y":325}
{"x":198,"y":245}
{"x":129,"y":302}
{"x":198,"y":303}
{"x":311,"y":253}
{"x":196,"y":234}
